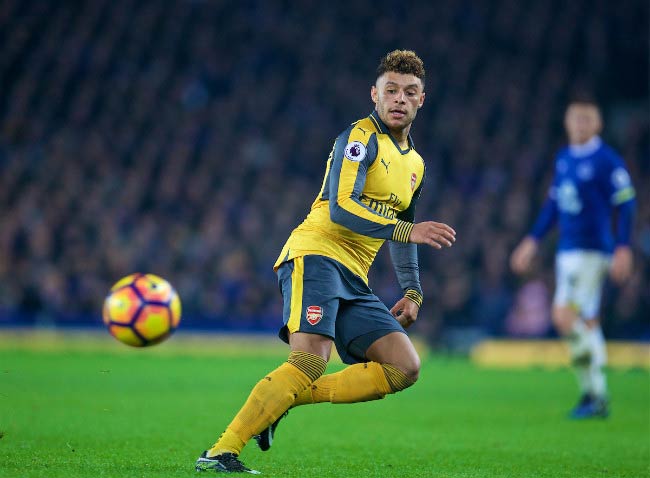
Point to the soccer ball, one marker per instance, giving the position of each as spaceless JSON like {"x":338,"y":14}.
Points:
{"x":142,"y":310}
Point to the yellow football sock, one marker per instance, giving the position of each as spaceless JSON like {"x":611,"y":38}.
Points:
{"x":269,"y":399}
{"x":357,"y":383}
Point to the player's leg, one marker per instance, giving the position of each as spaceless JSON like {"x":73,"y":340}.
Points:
{"x":382,"y":359}
{"x":570,"y":325}
{"x":272,"y":396}
{"x":366,"y":333}
{"x":565,"y":312}
{"x":580,"y":276}
{"x":387,"y":371}
{"x":275,"y":393}
{"x":598,"y":352}
{"x":573,"y":328}
{"x":307,"y":342}
{"x":568,"y":322}
{"x":588,"y":297}
{"x":394,"y":365}
{"x":397,"y":350}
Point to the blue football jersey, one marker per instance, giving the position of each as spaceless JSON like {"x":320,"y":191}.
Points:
{"x":590,"y":181}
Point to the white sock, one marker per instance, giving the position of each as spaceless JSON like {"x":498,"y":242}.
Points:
{"x":579,"y":340}
{"x":598,"y":361}
{"x":583,"y":374}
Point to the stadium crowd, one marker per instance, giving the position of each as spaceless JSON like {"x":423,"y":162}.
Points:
{"x":183,"y":137}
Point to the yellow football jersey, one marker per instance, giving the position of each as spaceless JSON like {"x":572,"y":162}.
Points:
{"x":368,"y":195}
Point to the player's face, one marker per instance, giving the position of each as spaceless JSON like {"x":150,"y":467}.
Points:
{"x":582,"y":122}
{"x":397,"y":98}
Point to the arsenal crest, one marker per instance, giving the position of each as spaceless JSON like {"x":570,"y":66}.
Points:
{"x":414,"y":179}
{"x":314,"y":314}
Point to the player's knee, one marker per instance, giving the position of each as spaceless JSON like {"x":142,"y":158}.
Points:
{"x":402,"y":375}
{"x":410,"y":366}
{"x":563,"y":318}
{"x":412,"y":369}
{"x":310,"y":364}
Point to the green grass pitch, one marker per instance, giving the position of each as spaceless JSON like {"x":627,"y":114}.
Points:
{"x":115,"y":412}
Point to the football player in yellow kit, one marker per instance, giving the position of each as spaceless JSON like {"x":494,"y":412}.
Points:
{"x":372,"y":182}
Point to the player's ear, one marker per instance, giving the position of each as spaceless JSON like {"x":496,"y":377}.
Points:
{"x":373,"y":94}
{"x":422,"y":99}
{"x":599,"y":122}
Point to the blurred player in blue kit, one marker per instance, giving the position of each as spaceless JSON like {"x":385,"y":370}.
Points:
{"x":372,"y":182}
{"x":590,"y":183}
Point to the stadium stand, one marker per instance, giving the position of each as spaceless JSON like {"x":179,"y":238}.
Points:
{"x":182,"y":138}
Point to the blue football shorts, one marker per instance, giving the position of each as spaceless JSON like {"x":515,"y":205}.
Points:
{"x":322,"y":296}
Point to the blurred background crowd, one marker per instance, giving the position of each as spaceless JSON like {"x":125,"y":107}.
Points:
{"x":187,"y":139}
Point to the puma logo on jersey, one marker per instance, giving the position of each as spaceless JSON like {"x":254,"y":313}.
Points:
{"x":385,"y":164}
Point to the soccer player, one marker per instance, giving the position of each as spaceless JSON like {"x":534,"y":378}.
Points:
{"x":372,"y":182}
{"x":590,"y":182}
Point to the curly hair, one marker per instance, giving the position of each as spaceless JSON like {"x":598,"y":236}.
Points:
{"x":402,"y":61}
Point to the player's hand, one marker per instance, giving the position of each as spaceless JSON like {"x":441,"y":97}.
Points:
{"x":522,"y":256}
{"x":621,"y":268}
{"x":405,"y":312}
{"x":435,"y":234}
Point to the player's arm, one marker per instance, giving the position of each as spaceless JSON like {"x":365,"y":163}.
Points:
{"x":523,"y":255}
{"x":405,"y":256}
{"x":351,"y":160}
{"x":623,"y":198}
{"x":405,"y":262}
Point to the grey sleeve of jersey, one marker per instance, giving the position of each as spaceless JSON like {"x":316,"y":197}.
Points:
{"x":405,"y":262}
{"x":405,"y":255}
